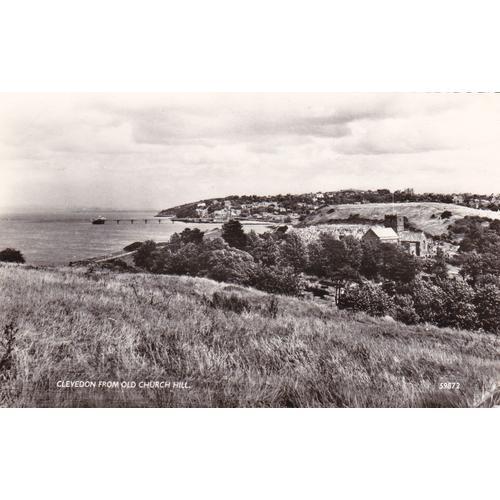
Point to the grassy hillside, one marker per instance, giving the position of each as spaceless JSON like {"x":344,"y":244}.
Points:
{"x":72,"y":324}
{"x":419,"y":214}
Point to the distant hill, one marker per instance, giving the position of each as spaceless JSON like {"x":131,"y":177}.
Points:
{"x":430,"y":217}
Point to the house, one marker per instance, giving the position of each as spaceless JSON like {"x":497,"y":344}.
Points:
{"x":221,"y":215}
{"x":381,"y":235}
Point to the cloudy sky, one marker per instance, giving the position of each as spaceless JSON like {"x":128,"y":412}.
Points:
{"x":156,"y":150}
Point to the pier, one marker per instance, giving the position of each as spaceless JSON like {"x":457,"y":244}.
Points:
{"x":132,"y":221}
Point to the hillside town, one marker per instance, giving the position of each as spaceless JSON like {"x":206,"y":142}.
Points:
{"x":293,"y":208}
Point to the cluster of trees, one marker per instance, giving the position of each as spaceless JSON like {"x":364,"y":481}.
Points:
{"x":380,"y":279}
{"x":469,"y":301}
{"x":276,"y":262}
{"x":479,"y":251}
{"x":442,"y":302}
{"x":234,"y":258}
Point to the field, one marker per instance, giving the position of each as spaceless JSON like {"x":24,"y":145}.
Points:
{"x":418,"y":214}
{"x":251,"y":351}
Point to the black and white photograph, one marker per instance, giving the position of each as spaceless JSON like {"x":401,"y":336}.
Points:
{"x":250,"y":250}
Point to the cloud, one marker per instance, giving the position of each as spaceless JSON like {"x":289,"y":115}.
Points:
{"x":179,"y":147}
{"x":251,"y":117}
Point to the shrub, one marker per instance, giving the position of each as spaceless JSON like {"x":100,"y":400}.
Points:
{"x":7,"y":344}
{"x":405,"y":309}
{"x":368,"y":298}
{"x":231,"y":302}
{"x":272,"y":307}
{"x":117,"y":265}
{"x":274,"y":279}
{"x":11,"y":255}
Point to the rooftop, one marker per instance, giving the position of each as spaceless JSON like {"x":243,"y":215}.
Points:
{"x":384,"y":233}
{"x":412,"y":236}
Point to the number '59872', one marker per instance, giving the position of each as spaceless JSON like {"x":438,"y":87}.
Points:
{"x":449,"y":385}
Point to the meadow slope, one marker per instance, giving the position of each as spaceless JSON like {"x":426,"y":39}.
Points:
{"x":73,"y":324}
{"x":419,"y":214}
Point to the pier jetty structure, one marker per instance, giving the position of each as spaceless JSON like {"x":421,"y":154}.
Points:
{"x":130,"y":221}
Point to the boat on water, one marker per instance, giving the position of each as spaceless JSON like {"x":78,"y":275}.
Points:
{"x":99,"y":220}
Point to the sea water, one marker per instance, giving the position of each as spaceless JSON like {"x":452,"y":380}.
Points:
{"x":58,"y":238}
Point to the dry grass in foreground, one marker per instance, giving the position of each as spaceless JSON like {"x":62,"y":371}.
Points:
{"x":236,"y":348}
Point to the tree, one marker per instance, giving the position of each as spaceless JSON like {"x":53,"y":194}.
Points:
{"x":11,"y":255}
{"x":144,"y":257}
{"x":397,"y":265}
{"x":371,"y":260}
{"x":459,"y":310}
{"x":342,"y":278}
{"x":475,"y":265}
{"x":428,"y":299}
{"x":191,"y":236}
{"x":448,"y":302}
{"x":265,"y":249}
{"x":230,"y":265}
{"x":294,"y":252}
{"x":339,"y":254}
{"x":340,"y":261}
{"x":439,"y":268}
{"x":487,"y":303}
{"x":317,"y":264}
{"x":186,"y":260}
{"x":233,"y":234}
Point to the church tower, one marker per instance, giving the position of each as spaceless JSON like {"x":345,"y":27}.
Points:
{"x":397,"y":222}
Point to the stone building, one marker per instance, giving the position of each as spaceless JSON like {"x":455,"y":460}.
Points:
{"x":415,"y":242}
{"x":381,"y":235}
